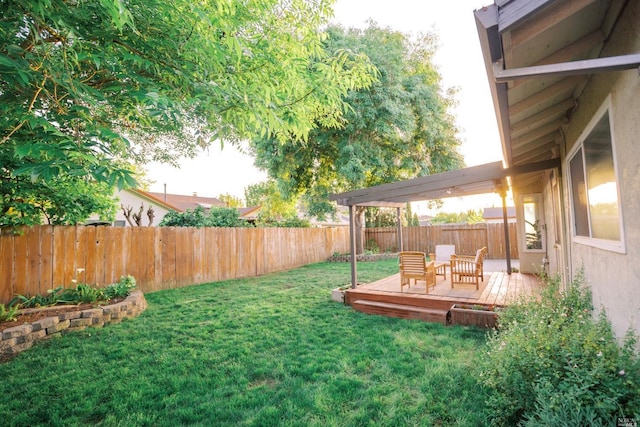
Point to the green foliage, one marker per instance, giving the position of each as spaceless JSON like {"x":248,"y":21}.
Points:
{"x":88,"y":87}
{"x":274,"y":207}
{"x":293,"y":222}
{"x":225,"y":217}
{"x":198,"y":217}
{"x":388,"y":217}
{"x":120,"y":289}
{"x":469,"y":217}
{"x":8,"y":315}
{"x":32,"y":301}
{"x":410,"y":218}
{"x":380,"y":217}
{"x":81,"y":293}
{"x":371,"y":246}
{"x":398,"y":128}
{"x":63,"y":200}
{"x":230,"y":201}
{"x":190,"y":218}
{"x":551,"y":363}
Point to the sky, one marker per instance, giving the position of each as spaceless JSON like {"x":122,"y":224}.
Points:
{"x":459,"y":59}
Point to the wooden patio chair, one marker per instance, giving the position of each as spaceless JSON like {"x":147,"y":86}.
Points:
{"x":468,"y":269}
{"x":414,"y":265}
{"x":442,"y":257}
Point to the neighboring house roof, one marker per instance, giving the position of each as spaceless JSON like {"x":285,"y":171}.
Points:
{"x":496,"y":213}
{"x":181,"y":202}
{"x":250,"y":213}
{"x":149,"y":197}
{"x":425,"y":219}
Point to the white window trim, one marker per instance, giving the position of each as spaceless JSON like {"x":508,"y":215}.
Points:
{"x":608,"y":245}
{"x":540,"y":214}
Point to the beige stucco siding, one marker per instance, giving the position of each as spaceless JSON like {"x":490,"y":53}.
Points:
{"x":134,"y":200}
{"x":613,"y":276}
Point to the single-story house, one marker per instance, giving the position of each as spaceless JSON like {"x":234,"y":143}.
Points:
{"x":162,"y":203}
{"x":496,"y":214}
{"x":565,"y":87}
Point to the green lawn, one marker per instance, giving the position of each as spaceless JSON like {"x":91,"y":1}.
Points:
{"x":267,"y":351}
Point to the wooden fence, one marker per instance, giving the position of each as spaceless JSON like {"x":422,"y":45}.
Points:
{"x":43,"y":257}
{"x":467,"y":238}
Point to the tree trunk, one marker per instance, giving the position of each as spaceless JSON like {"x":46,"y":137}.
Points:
{"x":359,"y":215}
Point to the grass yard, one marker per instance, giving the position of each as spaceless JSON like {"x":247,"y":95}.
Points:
{"x":267,"y":351}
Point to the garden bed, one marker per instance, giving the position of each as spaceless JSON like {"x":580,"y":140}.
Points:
{"x":36,"y":324}
{"x":362,"y":257}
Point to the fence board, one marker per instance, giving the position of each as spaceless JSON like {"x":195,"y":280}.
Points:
{"x":33,"y":260}
{"x":90,"y":260}
{"x":6,"y":267}
{"x":168,"y":257}
{"x":99,"y":257}
{"x":46,"y":259}
{"x":80,"y":253}
{"x":211,"y":251}
{"x":20,"y":277}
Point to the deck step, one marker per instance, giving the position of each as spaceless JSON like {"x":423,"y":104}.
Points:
{"x":400,"y":310}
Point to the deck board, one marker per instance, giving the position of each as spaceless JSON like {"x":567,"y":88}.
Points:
{"x":498,"y":288}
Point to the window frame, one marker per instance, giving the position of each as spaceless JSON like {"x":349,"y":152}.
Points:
{"x":609,"y":245}
{"x":538,"y":200}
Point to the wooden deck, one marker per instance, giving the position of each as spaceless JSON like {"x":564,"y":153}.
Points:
{"x":385,"y":298}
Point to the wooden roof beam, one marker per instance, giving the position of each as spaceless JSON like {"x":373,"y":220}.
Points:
{"x":552,"y":94}
{"x":580,"y":49}
{"x":555,"y":113}
{"x":587,"y":66}
{"x":547,"y":132}
{"x":549,"y":17}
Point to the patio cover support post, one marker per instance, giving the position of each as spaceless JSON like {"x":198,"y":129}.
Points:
{"x":507,"y":246}
{"x":399,"y":222}
{"x":352,"y":243}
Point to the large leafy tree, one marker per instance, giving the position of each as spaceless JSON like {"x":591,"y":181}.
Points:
{"x":89,"y":86}
{"x":398,"y":128}
{"x":273,"y":206}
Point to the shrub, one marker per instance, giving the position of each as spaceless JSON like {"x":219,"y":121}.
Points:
{"x":372,"y":246}
{"x":121,"y":289}
{"x":8,"y":315}
{"x":198,"y":217}
{"x":551,"y":363}
{"x":292,"y":222}
{"x":81,"y":293}
{"x":32,"y":301}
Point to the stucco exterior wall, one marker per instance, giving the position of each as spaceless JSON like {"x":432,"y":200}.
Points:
{"x":614,"y":277}
{"x":134,"y":200}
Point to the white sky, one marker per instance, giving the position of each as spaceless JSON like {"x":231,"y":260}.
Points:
{"x":460,"y":64}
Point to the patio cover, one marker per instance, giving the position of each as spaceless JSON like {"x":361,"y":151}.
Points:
{"x":482,"y":179}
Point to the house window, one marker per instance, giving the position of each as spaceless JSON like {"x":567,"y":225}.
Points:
{"x":594,"y":188}
{"x":532,"y":208}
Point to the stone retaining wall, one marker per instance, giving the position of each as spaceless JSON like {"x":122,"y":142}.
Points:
{"x":363,"y":257}
{"x":19,"y":338}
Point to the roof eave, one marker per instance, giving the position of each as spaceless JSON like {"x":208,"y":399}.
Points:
{"x":491,"y":45}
